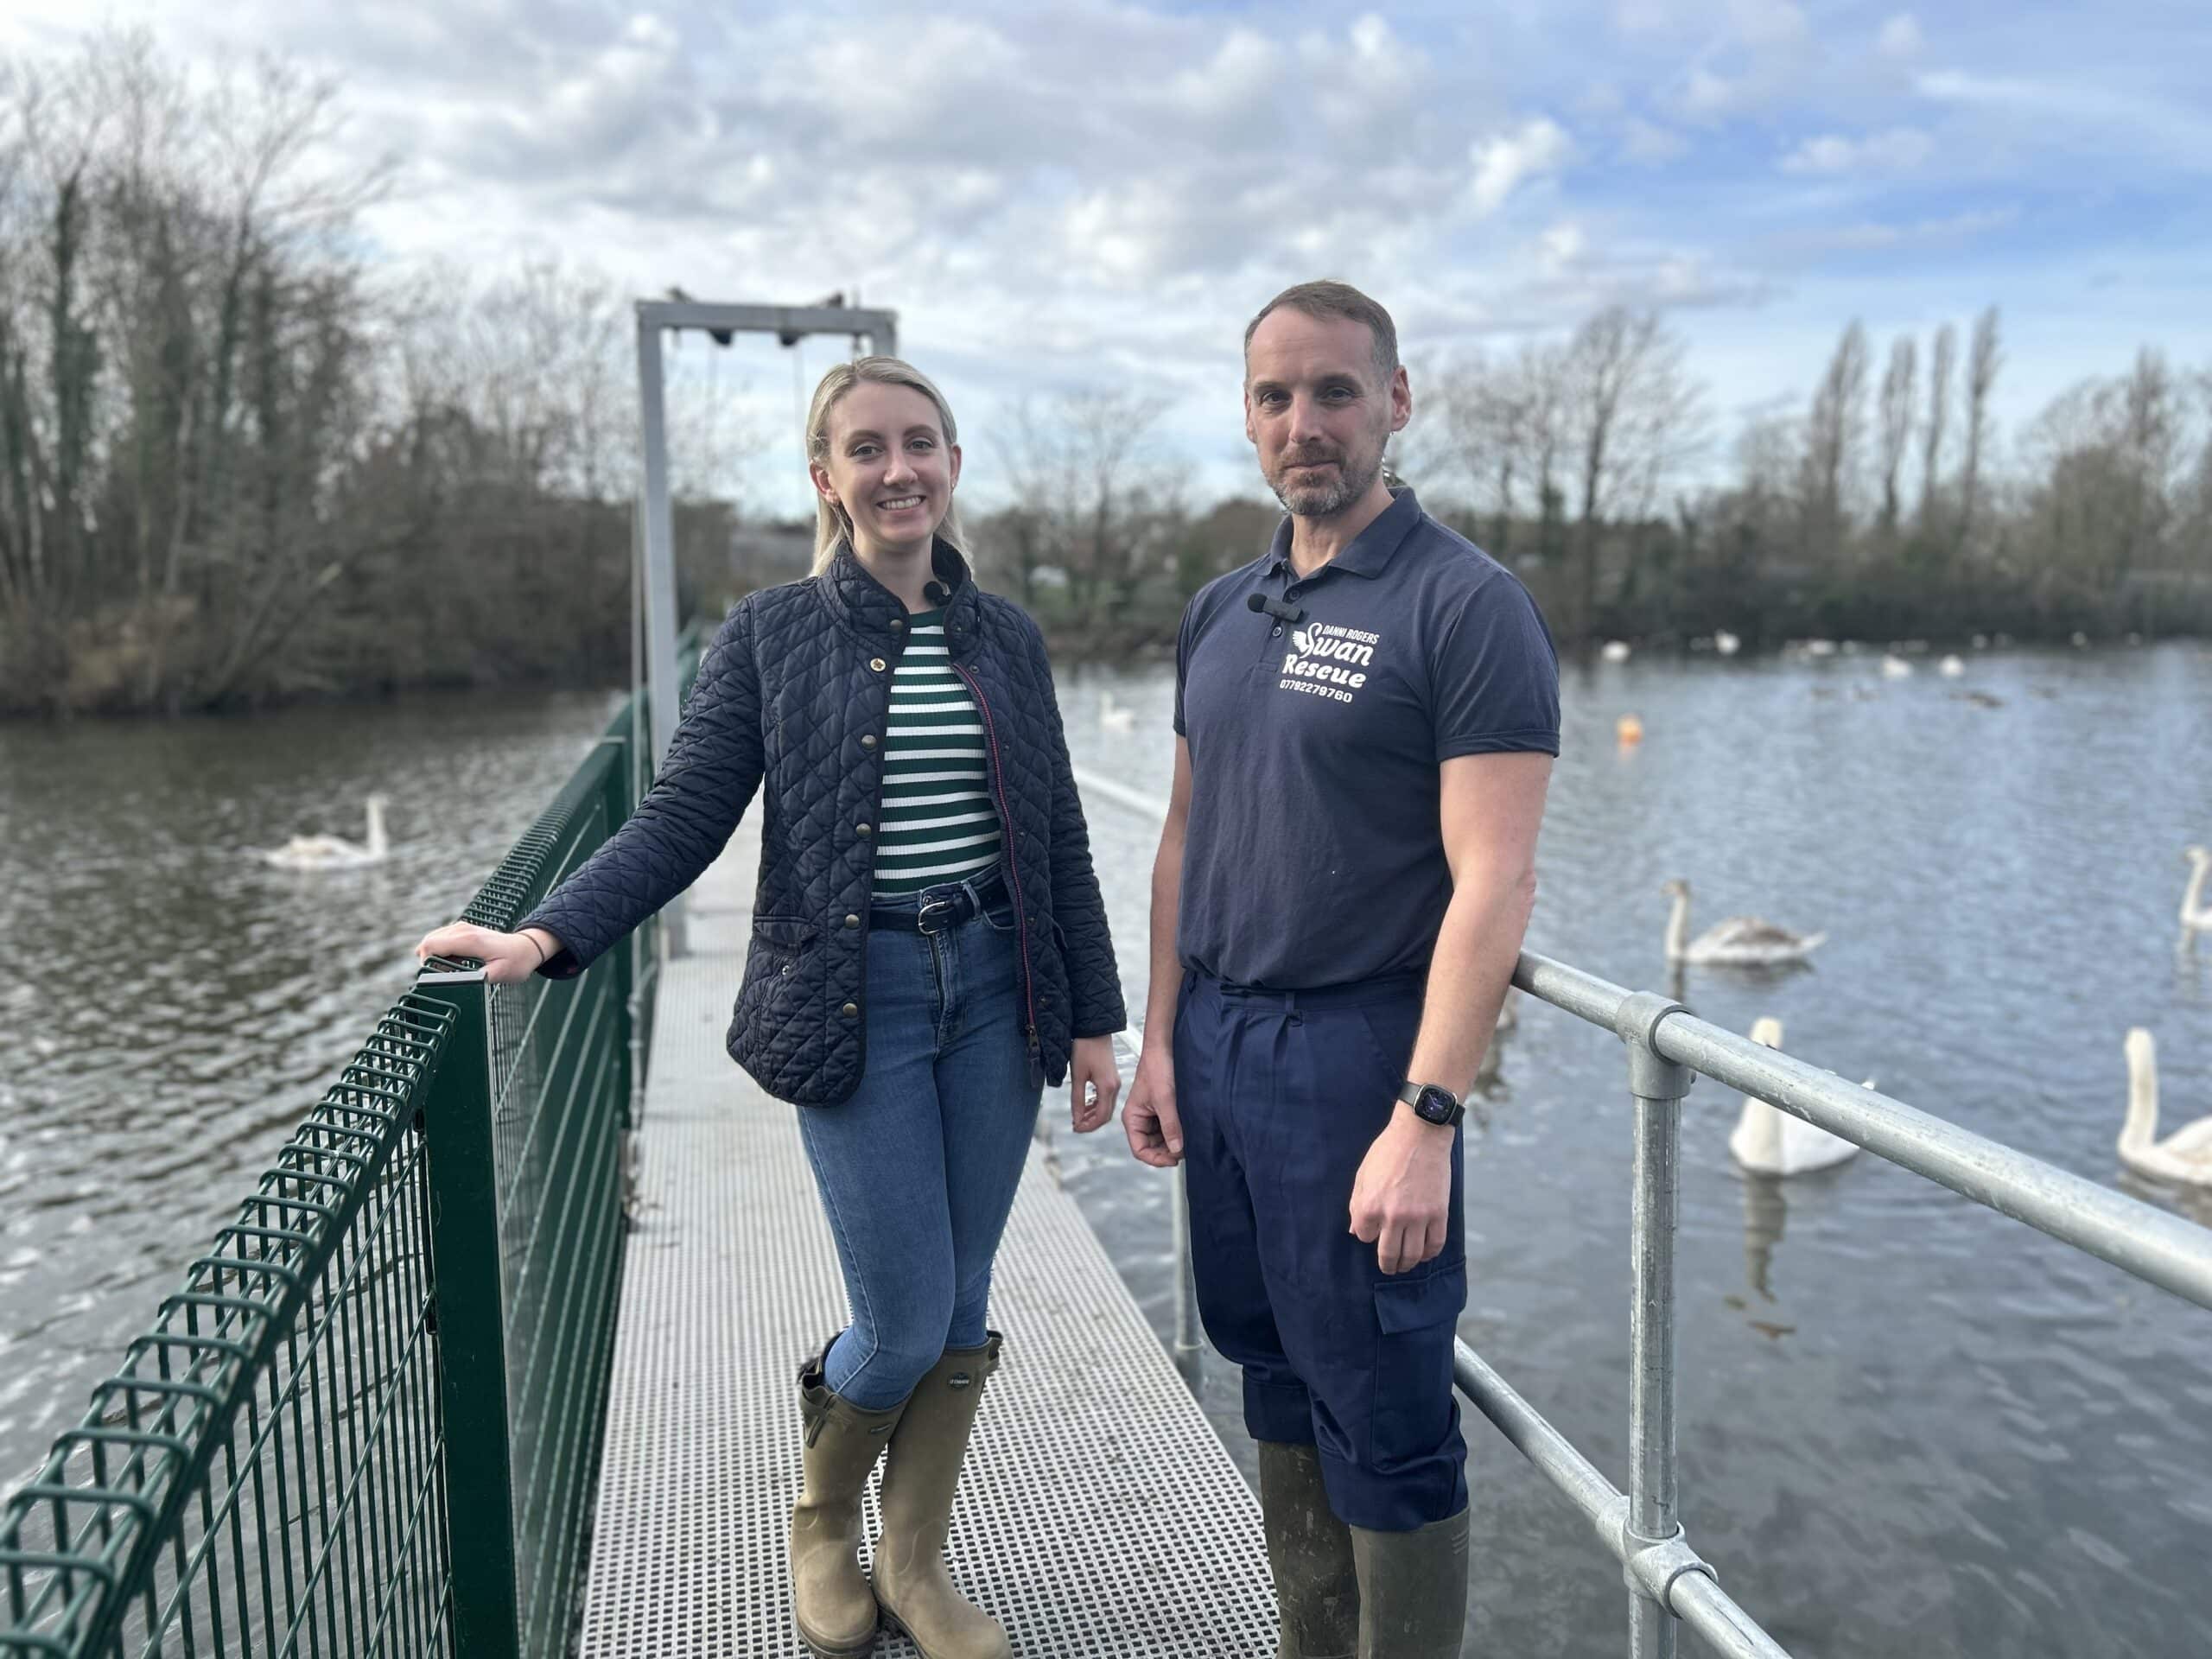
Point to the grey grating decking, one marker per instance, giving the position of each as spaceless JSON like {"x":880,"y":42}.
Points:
{"x":1099,"y":1517}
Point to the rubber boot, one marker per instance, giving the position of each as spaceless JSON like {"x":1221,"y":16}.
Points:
{"x":830,"y":1599}
{"x":1309,"y":1554}
{"x":1412,"y":1590}
{"x":919,"y":1476}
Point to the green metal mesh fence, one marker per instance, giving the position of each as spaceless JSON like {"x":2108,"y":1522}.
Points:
{"x":369,"y":1423}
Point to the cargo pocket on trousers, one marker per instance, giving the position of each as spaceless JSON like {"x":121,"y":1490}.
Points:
{"x":1418,"y":1319}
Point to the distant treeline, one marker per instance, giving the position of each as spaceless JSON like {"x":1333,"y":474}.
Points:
{"x":1877,"y":511}
{"x":234,"y":469}
{"x":238,"y":465}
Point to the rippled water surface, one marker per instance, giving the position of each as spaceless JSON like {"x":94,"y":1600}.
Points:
{"x":1908,"y":1425}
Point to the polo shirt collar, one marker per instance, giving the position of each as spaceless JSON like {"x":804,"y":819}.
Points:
{"x":1370,"y":550}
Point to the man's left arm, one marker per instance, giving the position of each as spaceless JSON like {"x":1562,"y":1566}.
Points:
{"x":1491,"y":807}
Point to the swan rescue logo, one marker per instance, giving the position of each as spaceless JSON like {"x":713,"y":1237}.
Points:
{"x":1328,"y":661}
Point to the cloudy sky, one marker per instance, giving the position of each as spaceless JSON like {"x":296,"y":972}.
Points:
{"x":1057,"y":196}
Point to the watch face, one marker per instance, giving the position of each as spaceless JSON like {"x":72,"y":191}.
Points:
{"x":1435,"y":1104}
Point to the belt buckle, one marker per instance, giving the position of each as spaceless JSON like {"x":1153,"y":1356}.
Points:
{"x":943,"y":912}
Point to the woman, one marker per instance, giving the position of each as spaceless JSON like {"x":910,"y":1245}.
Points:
{"x":929,"y":949}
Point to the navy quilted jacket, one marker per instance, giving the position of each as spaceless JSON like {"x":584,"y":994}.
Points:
{"x":794,"y":693}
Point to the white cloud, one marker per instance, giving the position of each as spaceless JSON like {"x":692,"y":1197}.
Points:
{"x":1769,"y":23}
{"x":1501,"y":164}
{"x":1899,"y":149}
{"x":1870,"y":234}
{"x":1708,"y":94}
{"x":1564,"y":245}
{"x":1900,"y":38}
{"x":1648,"y":144}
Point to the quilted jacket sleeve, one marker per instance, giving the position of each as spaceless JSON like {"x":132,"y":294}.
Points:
{"x":709,"y":776}
{"x":1094,"y":980}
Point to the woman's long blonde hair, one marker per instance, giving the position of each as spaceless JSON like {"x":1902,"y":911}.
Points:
{"x":833,"y":524}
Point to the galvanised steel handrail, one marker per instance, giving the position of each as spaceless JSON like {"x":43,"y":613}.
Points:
{"x":1668,"y":1048}
{"x":370,"y":1420}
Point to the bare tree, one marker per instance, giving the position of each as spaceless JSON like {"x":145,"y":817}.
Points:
{"x":1984,"y":357}
{"x":1938,"y":414}
{"x":1897,"y":397}
{"x":1092,"y":495}
{"x":1833,"y":434}
{"x":1629,"y":415}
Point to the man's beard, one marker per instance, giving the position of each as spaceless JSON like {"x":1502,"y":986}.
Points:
{"x":1320,"y":500}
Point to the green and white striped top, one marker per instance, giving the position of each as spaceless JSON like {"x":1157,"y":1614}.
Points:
{"x":937,"y":824}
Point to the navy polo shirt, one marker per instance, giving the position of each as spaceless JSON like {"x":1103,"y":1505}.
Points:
{"x":1314,"y":854}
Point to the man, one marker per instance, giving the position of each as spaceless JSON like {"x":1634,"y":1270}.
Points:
{"x":1365,"y":718}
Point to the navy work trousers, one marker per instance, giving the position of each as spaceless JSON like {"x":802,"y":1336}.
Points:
{"x":1281,"y":1093}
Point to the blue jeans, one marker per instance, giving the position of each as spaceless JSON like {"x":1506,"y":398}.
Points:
{"x":918,"y":1170}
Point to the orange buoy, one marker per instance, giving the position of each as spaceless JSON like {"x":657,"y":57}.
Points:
{"x":1629,"y":729}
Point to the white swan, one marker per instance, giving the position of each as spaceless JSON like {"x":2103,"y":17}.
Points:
{"x":2184,"y":1156}
{"x":1771,"y":1141}
{"x":1951,"y":667}
{"x":333,"y":852}
{"x":1895,"y":667}
{"x":1742,"y":941}
{"x":1115,"y":718}
{"x":1615,"y":651}
{"x":2193,"y":914}
{"x":1726,"y":643}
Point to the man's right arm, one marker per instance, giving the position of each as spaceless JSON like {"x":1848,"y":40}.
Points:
{"x":1150,"y":1120}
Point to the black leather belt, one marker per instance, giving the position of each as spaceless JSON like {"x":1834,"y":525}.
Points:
{"x":940,"y":907}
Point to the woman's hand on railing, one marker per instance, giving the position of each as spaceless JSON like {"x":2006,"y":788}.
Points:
{"x":1155,"y":1132}
{"x":1090,"y":1061}
{"x":507,"y":958}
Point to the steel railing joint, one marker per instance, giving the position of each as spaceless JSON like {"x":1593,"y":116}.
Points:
{"x":1651,"y":1076}
{"x":1652,"y":1566}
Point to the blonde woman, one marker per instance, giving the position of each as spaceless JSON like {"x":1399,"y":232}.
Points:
{"x":929,"y":949}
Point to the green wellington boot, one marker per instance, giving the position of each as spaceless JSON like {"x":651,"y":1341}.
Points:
{"x":1412,"y":1590}
{"x":1309,"y":1553}
{"x":831,"y":1598}
{"x":919,"y":1476}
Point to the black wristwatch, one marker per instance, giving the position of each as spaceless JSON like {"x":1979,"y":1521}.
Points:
{"x":1432,"y":1105}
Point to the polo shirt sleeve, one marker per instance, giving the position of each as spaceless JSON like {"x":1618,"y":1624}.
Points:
{"x":1496,"y":676}
{"x":1183,"y":659}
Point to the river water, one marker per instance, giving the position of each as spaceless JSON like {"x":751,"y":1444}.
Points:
{"x":1908,"y":1425}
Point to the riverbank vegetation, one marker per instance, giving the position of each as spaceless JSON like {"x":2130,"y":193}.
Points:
{"x":242,"y":461}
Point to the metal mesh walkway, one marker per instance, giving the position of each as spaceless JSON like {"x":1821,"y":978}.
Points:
{"x":1099,"y":1515}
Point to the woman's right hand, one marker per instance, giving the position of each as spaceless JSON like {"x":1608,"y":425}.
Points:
{"x":507,"y":958}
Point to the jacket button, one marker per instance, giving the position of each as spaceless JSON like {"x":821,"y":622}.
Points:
{"x":851,"y":1010}
{"x":897,"y":623}
{"x":790,"y":968}
{"x":852,"y":921}
{"x":868,"y":741}
{"x":862,"y":829}
{"x":877,"y":664}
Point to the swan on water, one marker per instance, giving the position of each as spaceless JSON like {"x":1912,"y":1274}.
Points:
{"x":2194,"y":914}
{"x":1726,"y":643}
{"x":1742,"y":941}
{"x":1770,"y":1141}
{"x":1615,"y":651}
{"x":1951,"y":667}
{"x":2184,"y":1156}
{"x":1895,"y":667}
{"x":333,"y":852}
{"x":1113,"y":716}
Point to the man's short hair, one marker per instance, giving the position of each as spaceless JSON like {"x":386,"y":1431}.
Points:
{"x":1327,"y":299}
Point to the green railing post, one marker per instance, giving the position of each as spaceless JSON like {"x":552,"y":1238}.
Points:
{"x":622,"y":963}
{"x":471,"y":1306}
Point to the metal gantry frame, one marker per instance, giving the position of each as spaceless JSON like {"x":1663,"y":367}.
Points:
{"x":1668,"y":1048}
{"x":655,"y":538}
